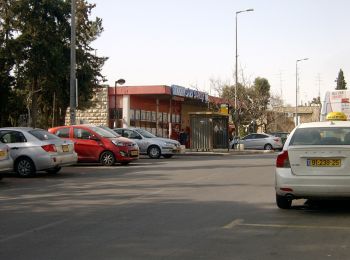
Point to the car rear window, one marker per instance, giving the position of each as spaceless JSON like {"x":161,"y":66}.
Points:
{"x":321,"y":136}
{"x":43,"y":135}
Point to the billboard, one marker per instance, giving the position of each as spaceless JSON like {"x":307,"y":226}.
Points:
{"x":336,"y":101}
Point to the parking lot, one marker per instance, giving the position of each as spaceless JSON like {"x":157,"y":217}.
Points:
{"x":187,"y":207}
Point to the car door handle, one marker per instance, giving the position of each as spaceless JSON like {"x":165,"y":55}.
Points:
{"x":14,"y":148}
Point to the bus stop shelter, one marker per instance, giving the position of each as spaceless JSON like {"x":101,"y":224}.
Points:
{"x":209,"y":131}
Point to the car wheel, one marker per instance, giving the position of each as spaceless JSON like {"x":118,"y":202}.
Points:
{"x":24,"y":167}
{"x":283,"y":202}
{"x":53,"y":170}
{"x":268,"y":147}
{"x":168,"y":156}
{"x":107,"y":158}
{"x":154,"y":152}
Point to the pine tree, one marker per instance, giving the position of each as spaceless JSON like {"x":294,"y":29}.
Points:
{"x":341,"y":83}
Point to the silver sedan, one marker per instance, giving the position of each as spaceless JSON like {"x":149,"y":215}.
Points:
{"x":150,"y":144}
{"x":258,"y":141}
{"x":6,"y":163}
{"x":34,"y":149}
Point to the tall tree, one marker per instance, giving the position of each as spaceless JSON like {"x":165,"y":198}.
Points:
{"x":252,"y":102}
{"x":228,"y":92}
{"x":43,"y":28}
{"x":258,"y":99}
{"x":6,"y":58}
{"x":341,"y":83}
{"x":39,"y":65}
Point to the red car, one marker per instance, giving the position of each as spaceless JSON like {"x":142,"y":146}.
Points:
{"x":95,"y":144}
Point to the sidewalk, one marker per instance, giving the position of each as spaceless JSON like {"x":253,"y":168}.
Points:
{"x":222,"y":152}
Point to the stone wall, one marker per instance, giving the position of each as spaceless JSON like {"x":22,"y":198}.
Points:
{"x":97,"y":114}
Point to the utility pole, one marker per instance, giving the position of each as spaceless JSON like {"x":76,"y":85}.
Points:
{"x":72,"y":94}
{"x":297,"y":89}
{"x":319,"y":84}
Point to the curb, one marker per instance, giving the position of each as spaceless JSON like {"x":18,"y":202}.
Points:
{"x":223,"y":153}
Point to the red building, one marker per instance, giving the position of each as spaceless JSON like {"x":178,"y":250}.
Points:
{"x":160,"y":109}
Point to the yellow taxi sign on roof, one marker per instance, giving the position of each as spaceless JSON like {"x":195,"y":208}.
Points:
{"x":336,"y":116}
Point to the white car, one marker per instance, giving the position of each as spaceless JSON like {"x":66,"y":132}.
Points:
{"x":258,"y":141}
{"x":6,"y":162}
{"x":314,"y":163}
{"x":34,"y":149}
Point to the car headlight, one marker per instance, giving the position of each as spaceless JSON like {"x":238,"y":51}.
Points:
{"x":169,"y":144}
{"x":118,"y":143}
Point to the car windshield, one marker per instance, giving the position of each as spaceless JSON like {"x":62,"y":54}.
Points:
{"x":145,"y":133}
{"x":321,"y":136}
{"x":110,"y":130}
{"x":43,"y":135}
{"x":102,"y":132}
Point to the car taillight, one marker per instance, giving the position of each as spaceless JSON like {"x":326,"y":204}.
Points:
{"x":282,"y":160}
{"x":50,"y":148}
{"x":276,"y":139}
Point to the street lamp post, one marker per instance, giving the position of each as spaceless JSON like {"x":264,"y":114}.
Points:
{"x":236,"y":71}
{"x":120,"y":82}
{"x":297,"y":90}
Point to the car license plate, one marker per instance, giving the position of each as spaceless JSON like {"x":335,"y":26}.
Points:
{"x":65,"y":148}
{"x":2,"y":153}
{"x":134,"y":153}
{"x":323,"y":162}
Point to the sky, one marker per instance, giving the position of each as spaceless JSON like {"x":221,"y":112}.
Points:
{"x":190,"y":42}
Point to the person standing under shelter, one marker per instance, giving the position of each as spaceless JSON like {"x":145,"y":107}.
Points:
{"x":183,"y":137}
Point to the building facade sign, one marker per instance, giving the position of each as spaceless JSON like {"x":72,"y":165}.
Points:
{"x":188,"y":93}
{"x":336,"y":101}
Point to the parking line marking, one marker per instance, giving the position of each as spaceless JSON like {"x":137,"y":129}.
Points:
{"x":235,"y":222}
{"x":33,"y":230}
{"x":296,"y":226}
{"x":239,"y":222}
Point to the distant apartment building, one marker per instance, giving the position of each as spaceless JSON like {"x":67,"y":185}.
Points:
{"x":284,"y":117}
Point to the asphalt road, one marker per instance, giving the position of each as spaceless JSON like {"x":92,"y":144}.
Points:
{"x":217,"y":207}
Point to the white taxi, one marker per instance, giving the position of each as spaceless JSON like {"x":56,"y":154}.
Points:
{"x":6,"y":163}
{"x":314,"y":163}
